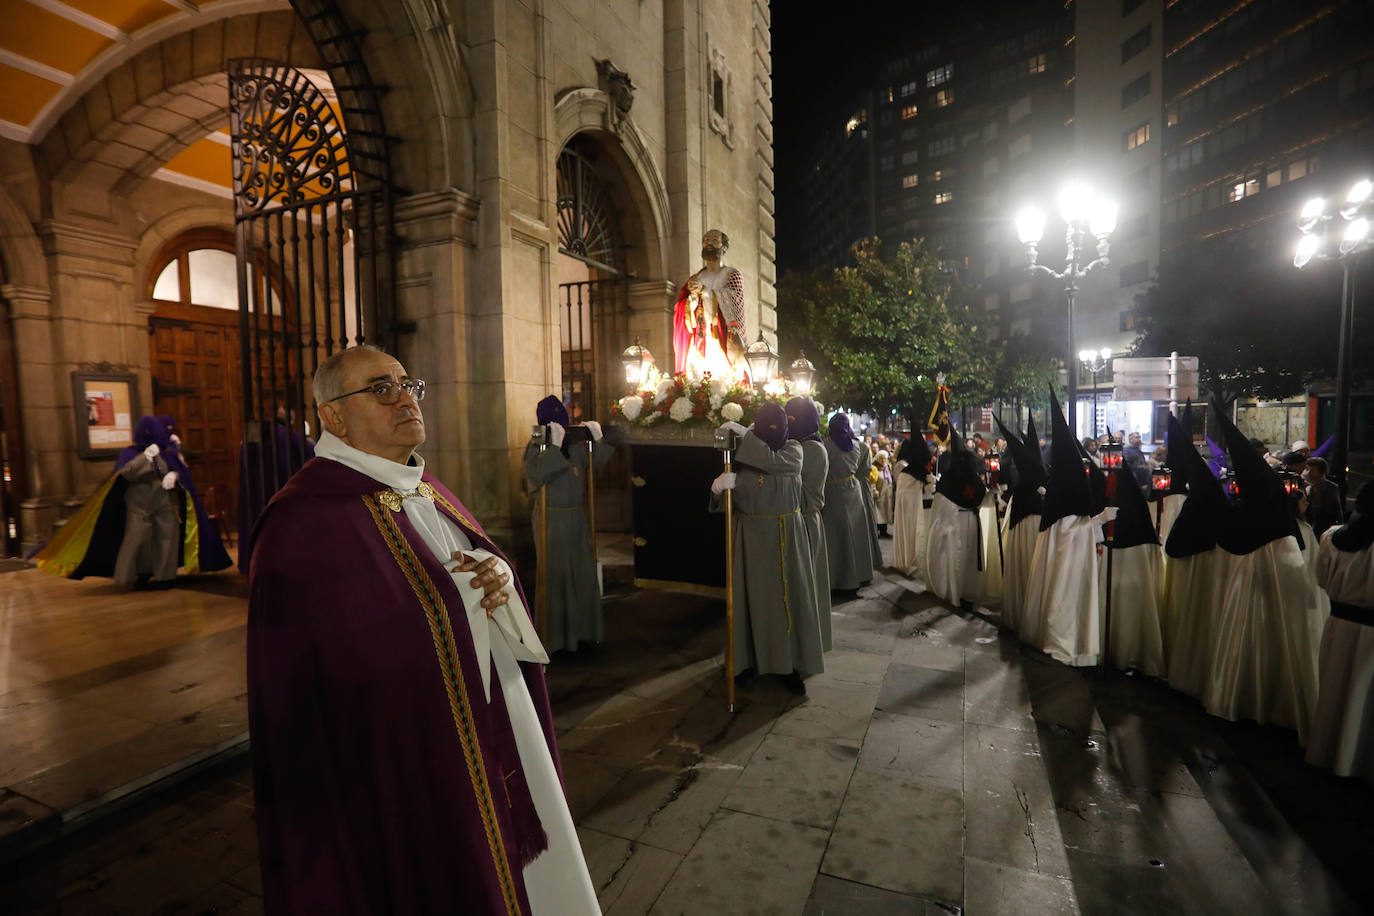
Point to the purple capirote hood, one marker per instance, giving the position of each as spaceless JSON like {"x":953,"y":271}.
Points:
{"x":770,"y":425}
{"x":803,"y":419}
{"x":841,"y":432}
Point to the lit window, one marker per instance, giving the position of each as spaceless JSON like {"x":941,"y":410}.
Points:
{"x":889,"y":93}
{"x":1297,"y":169}
{"x":1273,"y":179}
{"x":939,"y":76}
{"x":942,"y":174}
{"x":1171,"y":116}
{"x":944,"y":197}
{"x":1036,"y":64}
{"x":1136,"y":136}
{"x":943,"y":97}
{"x":908,"y":111}
{"x":908,"y":88}
{"x":910,"y":181}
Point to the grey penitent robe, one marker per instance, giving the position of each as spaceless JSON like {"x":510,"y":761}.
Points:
{"x":152,"y":531}
{"x":574,"y":593}
{"x":815,"y":469}
{"x":870,"y":511}
{"x":777,"y":629}
{"x":846,"y":523}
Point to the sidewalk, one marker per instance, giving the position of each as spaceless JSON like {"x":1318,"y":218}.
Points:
{"x":937,"y":766}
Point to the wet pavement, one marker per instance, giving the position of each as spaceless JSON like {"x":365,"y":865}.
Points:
{"x":937,"y":766}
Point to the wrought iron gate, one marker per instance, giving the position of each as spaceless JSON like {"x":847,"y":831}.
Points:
{"x":316,"y":260}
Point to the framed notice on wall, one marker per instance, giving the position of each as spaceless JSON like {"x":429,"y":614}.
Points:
{"x":106,"y":409}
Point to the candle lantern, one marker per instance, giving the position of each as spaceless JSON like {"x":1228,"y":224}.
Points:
{"x":1112,"y":456}
{"x":1230,"y":485}
{"x":636,"y":360}
{"x":1161,"y":479}
{"x":1292,"y":483}
{"x":803,"y":373}
{"x":994,"y":463}
{"x":763,"y":362}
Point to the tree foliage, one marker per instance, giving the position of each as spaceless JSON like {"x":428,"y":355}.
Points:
{"x":880,"y":328}
{"x":1263,"y":329}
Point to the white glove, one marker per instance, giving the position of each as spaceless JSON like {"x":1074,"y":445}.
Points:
{"x":594,"y":428}
{"x":152,"y":451}
{"x":169,"y":480}
{"x":1106,"y":515}
{"x":722,"y":483}
{"x":1040,"y":490}
{"x":175,"y":439}
{"x":736,"y":428}
{"x":556,"y":434}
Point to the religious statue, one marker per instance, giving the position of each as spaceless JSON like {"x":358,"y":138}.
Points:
{"x":708,"y":321}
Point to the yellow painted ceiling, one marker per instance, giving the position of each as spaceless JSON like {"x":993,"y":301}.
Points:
{"x":46,"y":45}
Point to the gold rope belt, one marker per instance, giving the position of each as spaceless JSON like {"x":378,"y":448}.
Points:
{"x":830,"y":480}
{"x":782,"y":557}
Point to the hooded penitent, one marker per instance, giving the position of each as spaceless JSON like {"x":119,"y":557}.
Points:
{"x":1177,"y":446}
{"x":803,"y":419}
{"x":841,"y":432}
{"x":1135,"y":630}
{"x":1264,"y":655}
{"x":770,"y":425}
{"x":961,"y":484}
{"x":1068,"y":492}
{"x":915,"y":451}
{"x":1357,"y":533}
{"x":1026,"y":499}
{"x":1204,"y":512}
{"x":1261,"y":511}
{"x":551,"y":410}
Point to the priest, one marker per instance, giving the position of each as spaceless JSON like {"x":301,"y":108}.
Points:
{"x":403,"y":746}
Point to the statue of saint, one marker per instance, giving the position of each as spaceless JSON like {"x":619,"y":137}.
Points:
{"x":708,"y":322}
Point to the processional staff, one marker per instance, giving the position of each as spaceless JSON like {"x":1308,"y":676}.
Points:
{"x":543,"y":436}
{"x":727,"y":441}
{"x":591,"y":495}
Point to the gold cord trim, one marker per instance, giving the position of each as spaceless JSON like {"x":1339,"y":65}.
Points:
{"x":446,"y":650}
{"x":830,"y":480}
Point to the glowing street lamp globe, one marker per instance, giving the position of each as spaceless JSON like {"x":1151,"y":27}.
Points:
{"x":803,"y":373}
{"x":762,"y":361}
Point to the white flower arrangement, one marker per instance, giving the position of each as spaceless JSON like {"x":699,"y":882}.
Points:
{"x":631,"y":405}
{"x":681,"y":409}
{"x":732,"y":411}
{"x":664,"y":386}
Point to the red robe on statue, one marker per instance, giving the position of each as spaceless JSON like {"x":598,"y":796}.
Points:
{"x":685,"y":339}
{"x":384,"y":780}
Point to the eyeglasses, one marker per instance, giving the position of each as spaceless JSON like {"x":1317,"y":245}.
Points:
{"x":389,"y":392}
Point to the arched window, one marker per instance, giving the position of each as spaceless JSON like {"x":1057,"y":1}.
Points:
{"x":199,"y":268}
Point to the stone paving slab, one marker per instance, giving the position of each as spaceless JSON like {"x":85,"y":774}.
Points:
{"x":798,"y":780}
{"x":745,"y":864}
{"x":925,"y":692}
{"x":913,"y":747}
{"x":628,"y":876}
{"x":836,"y":897}
{"x":903,"y":835}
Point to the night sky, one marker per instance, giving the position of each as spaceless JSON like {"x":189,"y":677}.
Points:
{"x":821,"y":60}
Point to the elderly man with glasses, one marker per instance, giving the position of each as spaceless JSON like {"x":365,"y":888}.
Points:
{"x":403,"y":745}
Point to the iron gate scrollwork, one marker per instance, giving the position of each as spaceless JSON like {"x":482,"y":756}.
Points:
{"x":316,"y":260}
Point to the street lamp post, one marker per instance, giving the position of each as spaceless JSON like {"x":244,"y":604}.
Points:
{"x":1085,"y":215}
{"x":1095,"y":361}
{"x":1317,"y":224}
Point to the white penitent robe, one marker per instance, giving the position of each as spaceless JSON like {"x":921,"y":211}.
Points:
{"x":557,"y":881}
{"x":1062,"y":614}
{"x":989,"y":528}
{"x":908,"y":531}
{"x":1264,"y":658}
{"x":1018,"y":550}
{"x":1342,"y":736}
{"x":952,"y":551}
{"x":1192,"y":595}
{"x":1165,"y":513}
{"x":1134,"y":631}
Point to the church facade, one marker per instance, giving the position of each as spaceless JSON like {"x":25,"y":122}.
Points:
{"x":548,"y":169}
